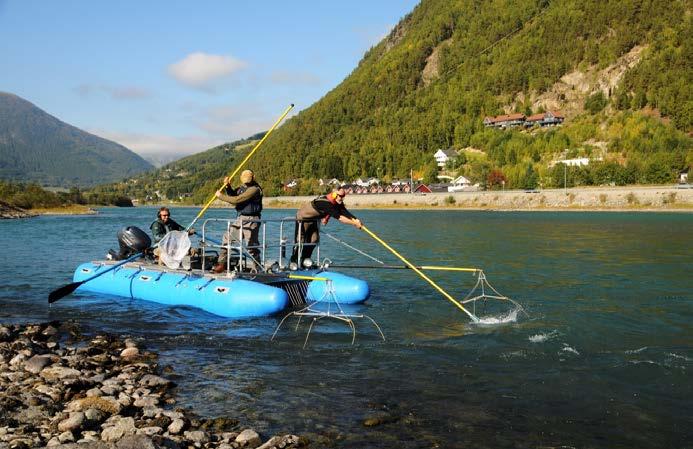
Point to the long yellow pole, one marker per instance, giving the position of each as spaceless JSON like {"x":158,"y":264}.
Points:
{"x":211,"y":200}
{"x":404,"y":267}
{"x":426,"y":278}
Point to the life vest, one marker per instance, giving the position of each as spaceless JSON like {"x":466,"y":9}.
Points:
{"x":252,"y":207}
{"x":329,"y":197}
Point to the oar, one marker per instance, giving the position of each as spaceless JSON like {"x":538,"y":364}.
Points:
{"x":404,"y":267}
{"x":214,"y":197}
{"x":418,"y":271}
{"x":69,"y":288}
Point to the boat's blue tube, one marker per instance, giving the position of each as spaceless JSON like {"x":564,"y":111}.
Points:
{"x":231,"y":298}
{"x":346,"y":289}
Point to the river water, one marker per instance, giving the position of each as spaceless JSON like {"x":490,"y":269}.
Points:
{"x":604,"y":358}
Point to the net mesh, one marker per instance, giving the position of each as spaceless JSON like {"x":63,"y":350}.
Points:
{"x":173,"y":248}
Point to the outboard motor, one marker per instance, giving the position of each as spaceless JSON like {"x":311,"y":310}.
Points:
{"x":132,"y":240}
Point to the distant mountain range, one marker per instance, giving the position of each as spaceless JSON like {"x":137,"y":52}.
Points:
{"x":35,"y":146}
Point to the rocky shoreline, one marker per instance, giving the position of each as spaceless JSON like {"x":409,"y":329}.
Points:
{"x":8,"y":210}
{"x":59,"y":389}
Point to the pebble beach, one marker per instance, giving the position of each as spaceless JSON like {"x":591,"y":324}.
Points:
{"x":63,"y":390}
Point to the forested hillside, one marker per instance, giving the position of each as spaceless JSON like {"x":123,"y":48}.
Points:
{"x":619,"y":70}
{"x":449,"y":64}
{"x":35,"y":146}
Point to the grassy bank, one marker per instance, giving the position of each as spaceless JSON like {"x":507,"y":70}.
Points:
{"x":71,"y":209}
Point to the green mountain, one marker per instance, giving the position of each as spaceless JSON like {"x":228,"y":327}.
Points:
{"x":619,"y":71}
{"x":35,"y":146}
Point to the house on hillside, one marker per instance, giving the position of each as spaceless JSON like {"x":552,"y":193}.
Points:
{"x":330,"y":182}
{"x":442,"y":157}
{"x":576,"y":162}
{"x":290,"y":185}
{"x":549,"y":118}
{"x":505,"y":121}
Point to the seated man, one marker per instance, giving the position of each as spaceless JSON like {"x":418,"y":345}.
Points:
{"x":164,"y":224}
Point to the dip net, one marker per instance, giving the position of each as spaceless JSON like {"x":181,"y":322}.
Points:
{"x":173,"y":248}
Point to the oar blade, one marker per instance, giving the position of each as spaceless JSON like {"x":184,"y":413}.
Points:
{"x":63,"y":291}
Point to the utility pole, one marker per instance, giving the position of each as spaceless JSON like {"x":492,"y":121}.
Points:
{"x":411,"y":180}
{"x":565,"y":178}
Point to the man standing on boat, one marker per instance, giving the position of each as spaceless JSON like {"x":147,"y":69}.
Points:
{"x":164,"y":224}
{"x":307,"y":231}
{"x":247,"y":199}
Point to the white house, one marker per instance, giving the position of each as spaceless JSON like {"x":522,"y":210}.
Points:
{"x":577,"y":162}
{"x":442,"y":157}
{"x":459,"y":184}
{"x":332,"y":182}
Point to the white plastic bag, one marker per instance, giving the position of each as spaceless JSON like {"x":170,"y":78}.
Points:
{"x":173,"y":248}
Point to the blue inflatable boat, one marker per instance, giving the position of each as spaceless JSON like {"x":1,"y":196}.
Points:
{"x":223,"y":295}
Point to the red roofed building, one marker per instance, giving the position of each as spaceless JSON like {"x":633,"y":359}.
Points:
{"x":504,"y":121}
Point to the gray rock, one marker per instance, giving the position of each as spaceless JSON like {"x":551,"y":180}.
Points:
{"x":280,"y":442}
{"x":121,"y":428}
{"x":248,"y":437}
{"x":94,"y":392}
{"x":136,"y":442}
{"x":94,"y":415}
{"x":50,"y":331}
{"x":150,"y":412}
{"x":74,"y":422}
{"x":152,"y":430}
{"x":197,"y":436}
{"x":16,"y":360}
{"x":150,"y":380}
{"x":37,"y":363}
{"x":56,"y":372}
{"x":89,"y":445}
{"x":129,"y":353}
{"x":66,"y":437}
{"x":147,"y":401}
{"x":176,"y":426}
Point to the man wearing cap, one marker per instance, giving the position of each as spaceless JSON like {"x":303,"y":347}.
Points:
{"x":307,"y":232}
{"x":247,"y":199}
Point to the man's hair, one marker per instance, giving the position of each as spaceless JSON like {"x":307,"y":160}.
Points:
{"x":163,"y":209}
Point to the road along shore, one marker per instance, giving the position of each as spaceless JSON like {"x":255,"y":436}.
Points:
{"x":658,"y":198}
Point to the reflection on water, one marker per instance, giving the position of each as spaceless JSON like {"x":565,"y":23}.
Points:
{"x":602,"y":360}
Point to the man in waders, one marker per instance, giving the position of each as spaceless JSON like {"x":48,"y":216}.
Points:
{"x":307,"y":232}
{"x":247,"y":199}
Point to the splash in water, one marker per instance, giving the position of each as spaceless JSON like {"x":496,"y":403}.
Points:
{"x":510,"y":317}
{"x":541,"y":338}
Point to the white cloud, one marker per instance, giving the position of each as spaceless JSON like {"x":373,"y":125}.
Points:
{"x":156,"y":144}
{"x":200,"y":70}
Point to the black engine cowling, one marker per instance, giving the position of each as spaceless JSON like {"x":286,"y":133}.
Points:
{"x":131,"y":240}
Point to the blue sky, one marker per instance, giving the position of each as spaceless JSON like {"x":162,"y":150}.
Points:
{"x":178,"y":77}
